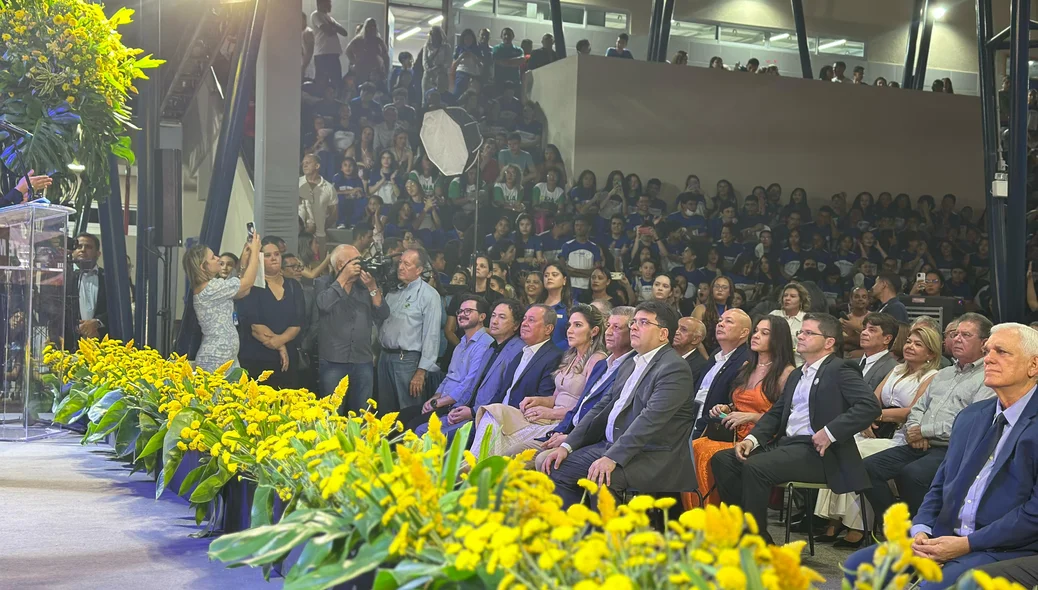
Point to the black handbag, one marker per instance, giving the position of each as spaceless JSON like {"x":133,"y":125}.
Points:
{"x":717,"y":431}
{"x":886,"y":429}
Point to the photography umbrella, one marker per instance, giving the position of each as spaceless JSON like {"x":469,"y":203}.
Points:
{"x":452,"y":139}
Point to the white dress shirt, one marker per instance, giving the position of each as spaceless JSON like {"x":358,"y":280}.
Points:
{"x":799,"y":423}
{"x":871,"y":360}
{"x":612,"y":364}
{"x":704,"y":387}
{"x":88,"y":288}
{"x":528,"y":352}
{"x":796,"y":322}
{"x":641,"y":363}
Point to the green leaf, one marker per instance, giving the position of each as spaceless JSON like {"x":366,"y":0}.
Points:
{"x":494,"y":465}
{"x":387,"y":456}
{"x":169,"y":468}
{"x":266,"y":544}
{"x":449,"y":474}
{"x":315,"y":554}
{"x":369,"y":556}
{"x":126,"y":434}
{"x":211,"y":486}
{"x":154,"y":443}
{"x":98,"y":409}
{"x":70,"y":406}
{"x":191,"y":479}
{"x":110,"y":421}
{"x":262,"y":506}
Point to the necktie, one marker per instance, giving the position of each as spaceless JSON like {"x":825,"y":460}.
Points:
{"x":862,"y":365}
{"x":975,"y":462}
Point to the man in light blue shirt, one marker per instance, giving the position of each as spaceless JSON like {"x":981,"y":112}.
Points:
{"x":466,"y":362}
{"x":410,"y":338}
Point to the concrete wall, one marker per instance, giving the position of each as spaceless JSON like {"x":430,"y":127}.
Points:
{"x":666,"y":121}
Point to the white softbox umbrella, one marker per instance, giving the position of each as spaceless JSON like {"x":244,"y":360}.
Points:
{"x":452,"y":139}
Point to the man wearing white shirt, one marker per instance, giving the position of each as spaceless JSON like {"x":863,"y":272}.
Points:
{"x":878,"y":332}
{"x":808,"y":435}
{"x":316,"y":199}
{"x":327,"y":49}
{"x":689,"y":336}
{"x":731,"y":332}
{"x":636,"y":437}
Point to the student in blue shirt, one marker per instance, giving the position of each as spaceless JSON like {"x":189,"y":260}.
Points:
{"x":833,"y":287}
{"x":579,"y":256}
{"x":727,"y":247}
{"x":584,"y":190}
{"x":502,"y":229}
{"x":686,"y":215}
{"x":845,"y":257}
{"x":750,"y":220}
{"x":692,"y":275}
{"x":657,"y":206}
{"x":790,"y":258}
{"x":617,"y":242}
{"x":621,"y":48}
{"x":550,"y":242}
{"x":727,"y":216}
{"x":365,"y":107}
{"x":958,"y":286}
{"x":559,"y":295}
{"x":526,"y":243}
{"x":641,"y":215}
{"x":351,"y":191}
{"x":821,"y":252}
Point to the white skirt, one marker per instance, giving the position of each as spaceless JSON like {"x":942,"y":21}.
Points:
{"x":845,"y":506}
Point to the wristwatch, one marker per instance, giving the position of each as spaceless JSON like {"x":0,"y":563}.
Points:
{"x":568,"y":448}
{"x":373,"y":292}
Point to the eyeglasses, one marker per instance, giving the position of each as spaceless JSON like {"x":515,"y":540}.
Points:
{"x":462,"y":312}
{"x":642,"y":322}
{"x":810,"y":333}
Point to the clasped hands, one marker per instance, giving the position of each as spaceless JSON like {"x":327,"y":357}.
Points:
{"x":274,"y":342}
{"x":940,"y":549}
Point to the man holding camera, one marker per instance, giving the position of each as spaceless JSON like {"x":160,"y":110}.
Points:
{"x":347,"y":313}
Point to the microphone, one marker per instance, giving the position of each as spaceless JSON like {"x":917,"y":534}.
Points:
{"x":14,"y":129}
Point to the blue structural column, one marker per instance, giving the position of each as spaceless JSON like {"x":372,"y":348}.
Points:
{"x":919,"y":76}
{"x":231,"y":129}
{"x":1016,"y":206}
{"x":556,"y":28}
{"x":117,"y":275}
{"x":801,"y":27}
{"x":990,"y":130}
{"x":149,"y":105}
{"x":913,"y":37}
{"x":664,"y":28}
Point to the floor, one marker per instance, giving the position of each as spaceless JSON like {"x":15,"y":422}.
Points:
{"x":71,"y":517}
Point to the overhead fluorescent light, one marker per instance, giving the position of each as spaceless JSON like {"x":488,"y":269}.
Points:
{"x":409,"y":33}
{"x":832,"y":44}
{"x":436,"y":19}
{"x":471,"y":3}
{"x":780,"y":37}
{"x":939,"y":12}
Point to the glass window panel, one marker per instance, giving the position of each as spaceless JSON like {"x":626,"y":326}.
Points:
{"x":693,"y":30}
{"x":476,"y":5}
{"x":573,"y":15}
{"x":836,"y":46}
{"x":614,"y":20}
{"x":741,"y":35}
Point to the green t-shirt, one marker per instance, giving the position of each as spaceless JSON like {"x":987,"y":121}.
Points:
{"x":502,"y":73}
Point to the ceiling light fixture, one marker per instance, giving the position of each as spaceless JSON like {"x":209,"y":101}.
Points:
{"x":832,"y":44}
{"x":780,"y":37}
{"x":939,"y":12}
{"x":436,"y":19}
{"x":471,"y":3}
{"x":409,"y":33}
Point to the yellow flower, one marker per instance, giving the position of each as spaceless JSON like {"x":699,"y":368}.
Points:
{"x":897,"y":522}
{"x":264,"y":376}
{"x":181,"y":445}
{"x":6,"y":37}
{"x":399,"y":544}
{"x":640,"y":503}
{"x":617,"y":582}
{"x":70,"y":99}
{"x":588,"y":485}
{"x":731,"y":578}
{"x":59,"y":19}
{"x":606,"y":504}
{"x":927,"y":569}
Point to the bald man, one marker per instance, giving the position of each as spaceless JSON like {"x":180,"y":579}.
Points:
{"x":349,"y":302}
{"x":732,"y":332}
{"x":687,"y":339}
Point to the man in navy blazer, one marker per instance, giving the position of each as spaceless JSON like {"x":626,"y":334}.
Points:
{"x":982,"y":506}
{"x":530,"y":372}
{"x":618,"y":343}
{"x":732,"y":331}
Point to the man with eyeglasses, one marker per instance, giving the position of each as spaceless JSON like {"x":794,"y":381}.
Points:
{"x":808,"y":434}
{"x":466,"y":361}
{"x":346,"y":316}
{"x":636,"y":437}
{"x":913,"y":466}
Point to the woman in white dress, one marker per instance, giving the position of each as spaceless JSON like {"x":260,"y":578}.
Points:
{"x":897,"y":394}
{"x":513,"y":430}
{"x":796,"y":302}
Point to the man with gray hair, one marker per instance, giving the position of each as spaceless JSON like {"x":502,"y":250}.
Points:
{"x":689,"y":336}
{"x":346,"y":314}
{"x":618,"y":343}
{"x":410,"y":338}
{"x":928,"y":428}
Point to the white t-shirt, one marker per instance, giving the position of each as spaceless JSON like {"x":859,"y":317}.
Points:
{"x":325,"y":42}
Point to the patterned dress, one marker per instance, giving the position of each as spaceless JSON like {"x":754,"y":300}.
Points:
{"x":214,"y":307}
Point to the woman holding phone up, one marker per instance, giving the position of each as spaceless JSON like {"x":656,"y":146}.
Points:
{"x":213,"y":299}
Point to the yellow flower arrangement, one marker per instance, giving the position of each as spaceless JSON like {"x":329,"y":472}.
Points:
{"x":361,"y":494}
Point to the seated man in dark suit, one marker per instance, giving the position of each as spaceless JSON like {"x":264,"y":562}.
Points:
{"x":732,"y":331}
{"x":982,"y":506}
{"x":808,"y":435}
{"x":599,"y":382}
{"x":642,"y":426}
{"x":530,"y":374}
{"x":878,"y":332}
{"x":687,"y":339}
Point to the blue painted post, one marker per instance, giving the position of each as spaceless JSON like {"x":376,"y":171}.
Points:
{"x":1016,"y":207}
{"x":113,"y":249}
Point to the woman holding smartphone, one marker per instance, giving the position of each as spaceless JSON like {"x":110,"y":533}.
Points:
{"x":213,"y":300}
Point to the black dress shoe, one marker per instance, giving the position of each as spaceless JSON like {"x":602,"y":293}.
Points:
{"x":845,"y":544}
{"x":827,"y":538}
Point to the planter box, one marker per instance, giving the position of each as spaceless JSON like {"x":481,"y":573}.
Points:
{"x":190,"y":461}
{"x":237,"y":512}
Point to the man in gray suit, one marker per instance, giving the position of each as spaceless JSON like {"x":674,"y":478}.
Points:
{"x":636,"y":437}
{"x":879,"y":330}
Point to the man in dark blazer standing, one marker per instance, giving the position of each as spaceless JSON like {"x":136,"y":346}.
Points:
{"x":808,"y":435}
{"x":637,"y":436}
{"x":982,"y":506}
{"x":88,"y":313}
{"x":715,"y":387}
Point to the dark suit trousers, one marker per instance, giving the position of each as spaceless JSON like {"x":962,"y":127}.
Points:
{"x":989,"y":561}
{"x":748,"y":484}
{"x":912,"y":469}
{"x":574,"y":468}
{"x":1022,"y":570}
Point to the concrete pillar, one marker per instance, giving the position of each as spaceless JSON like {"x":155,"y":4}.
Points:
{"x":278,"y":78}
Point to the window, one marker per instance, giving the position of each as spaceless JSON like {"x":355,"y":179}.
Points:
{"x":841,"y":47}
{"x":476,"y":5}
{"x":540,"y":10}
{"x":693,"y":30}
{"x":742,"y":35}
{"x":788,"y":42}
{"x":602,"y":18}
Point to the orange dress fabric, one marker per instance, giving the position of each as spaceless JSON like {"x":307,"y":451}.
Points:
{"x":703,"y":449}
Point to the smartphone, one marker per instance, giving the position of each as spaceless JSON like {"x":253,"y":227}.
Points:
{"x":251,"y":228}
{"x":543,"y":438}
{"x":920,"y":277}
{"x":616,"y":276}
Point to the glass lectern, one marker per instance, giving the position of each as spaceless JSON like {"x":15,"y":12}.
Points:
{"x":34,"y":269}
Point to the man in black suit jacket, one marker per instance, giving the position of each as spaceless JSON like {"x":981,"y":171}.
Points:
{"x":88,"y":313}
{"x":689,"y":336}
{"x":636,"y":436}
{"x":715,"y":387}
{"x":808,"y":435}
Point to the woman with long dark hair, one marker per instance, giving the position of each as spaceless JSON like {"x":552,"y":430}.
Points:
{"x":756,"y":388}
{"x":721,"y":290}
{"x":559,"y":296}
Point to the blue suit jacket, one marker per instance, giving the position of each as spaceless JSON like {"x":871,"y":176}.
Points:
{"x":537,"y":379}
{"x":592,"y":382}
{"x":1007,"y":518}
{"x":721,"y":387}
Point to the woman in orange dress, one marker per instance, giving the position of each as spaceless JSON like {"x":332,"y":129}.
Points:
{"x":758,"y":385}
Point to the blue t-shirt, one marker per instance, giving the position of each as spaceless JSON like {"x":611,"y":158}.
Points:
{"x":846,"y":262}
{"x":551,"y":246}
{"x":527,"y":249}
{"x":373,"y":112}
{"x":614,"y":52}
{"x":615,"y":245}
{"x":579,"y":194}
{"x":961,"y":290}
{"x":730,"y":252}
{"x":833,"y":292}
{"x":790,"y":261}
{"x":581,"y":256}
{"x":822,"y":257}
{"x":349,"y":207}
{"x":561,"y":325}
{"x":696,"y":224}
